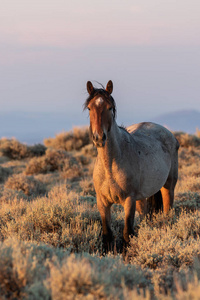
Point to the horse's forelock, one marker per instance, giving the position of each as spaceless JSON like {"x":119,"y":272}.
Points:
{"x":105,"y":95}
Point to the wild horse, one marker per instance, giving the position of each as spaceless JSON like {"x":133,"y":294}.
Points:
{"x":132,"y":164}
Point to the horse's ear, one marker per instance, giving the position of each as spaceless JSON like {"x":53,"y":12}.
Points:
{"x":90,"y":87}
{"x":109,"y":87}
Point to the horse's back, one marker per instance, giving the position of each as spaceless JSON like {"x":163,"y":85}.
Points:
{"x":153,"y":135}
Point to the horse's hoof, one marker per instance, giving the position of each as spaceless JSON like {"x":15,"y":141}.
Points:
{"x":108,"y":245}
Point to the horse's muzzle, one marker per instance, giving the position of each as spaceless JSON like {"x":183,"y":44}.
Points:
{"x":99,"y":141}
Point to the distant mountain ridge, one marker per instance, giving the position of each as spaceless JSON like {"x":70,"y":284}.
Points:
{"x":184,"y":120}
{"x":33,"y":127}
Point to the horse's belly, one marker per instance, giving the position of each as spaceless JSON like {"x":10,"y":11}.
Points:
{"x":139,"y":182}
{"x":153,"y":179}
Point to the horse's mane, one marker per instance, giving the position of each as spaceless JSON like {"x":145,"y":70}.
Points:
{"x":105,"y":95}
{"x":123,"y":128}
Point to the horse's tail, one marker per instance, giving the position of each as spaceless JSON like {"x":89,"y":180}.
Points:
{"x":155,"y":203}
{"x":177,"y":144}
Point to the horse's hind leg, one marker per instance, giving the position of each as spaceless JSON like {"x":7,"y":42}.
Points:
{"x":154,"y":204}
{"x":141,"y":208}
{"x":167,"y":190}
{"x":168,"y":198}
{"x":129,"y":209}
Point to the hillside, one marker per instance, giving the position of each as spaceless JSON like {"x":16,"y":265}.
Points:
{"x":34,"y":127}
{"x":50,"y":228}
{"x":186,"y":120}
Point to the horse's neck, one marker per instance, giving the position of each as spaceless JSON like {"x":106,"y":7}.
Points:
{"x":111,"y":152}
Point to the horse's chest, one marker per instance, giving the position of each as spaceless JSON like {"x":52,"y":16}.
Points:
{"x":114,"y":187}
{"x":113,"y":191}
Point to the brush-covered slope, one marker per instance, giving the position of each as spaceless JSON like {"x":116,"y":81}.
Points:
{"x":50,"y":228}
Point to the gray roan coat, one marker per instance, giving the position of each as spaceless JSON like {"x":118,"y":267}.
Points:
{"x":132,"y":164}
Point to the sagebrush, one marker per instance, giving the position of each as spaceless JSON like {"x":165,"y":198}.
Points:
{"x":50,"y":228}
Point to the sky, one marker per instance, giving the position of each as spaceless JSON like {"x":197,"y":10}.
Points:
{"x":149,"y":49}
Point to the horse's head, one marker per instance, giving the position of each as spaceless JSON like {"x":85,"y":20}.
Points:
{"x":101,"y":106}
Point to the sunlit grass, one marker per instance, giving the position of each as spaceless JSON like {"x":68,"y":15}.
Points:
{"x":50,"y":228}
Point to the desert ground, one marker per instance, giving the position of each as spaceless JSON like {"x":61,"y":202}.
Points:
{"x":50,"y":228}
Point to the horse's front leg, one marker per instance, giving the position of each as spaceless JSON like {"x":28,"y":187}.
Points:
{"x":106,"y":220}
{"x":129,"y":208}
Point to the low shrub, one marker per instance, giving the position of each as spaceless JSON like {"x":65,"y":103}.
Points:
{"x":57,"y":237}
{"x":60,"y":220}
{"x":87,"y":187}
{"x":13,"y":149}
{"x":36,"y":150}
{"x":30,"y":271}
{"x":4,"y":173}
{"x":72,"y":169}
{"x":189,"y":201}
{"x":23,"y":269}
{"x":72,"y":140}
{"x":187,"y":140}
{"x":90,"y":150}
{"x":53,"y":160}
{"x":27,"y":184}
{"x":56,"y":160}
{"x":37,"y":271}
{"x":80,"y":277}
{"x":189,"y":157}
{"x":167,"y":241}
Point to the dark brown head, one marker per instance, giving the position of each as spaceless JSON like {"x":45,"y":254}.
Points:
{"x":101,"y":106}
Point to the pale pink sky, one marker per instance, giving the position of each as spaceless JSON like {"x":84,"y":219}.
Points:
{"x":150,"y":49}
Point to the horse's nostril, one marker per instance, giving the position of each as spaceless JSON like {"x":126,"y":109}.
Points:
{"x":99,"y":138}
{"x":104,"y":137}
{"x":95,"y":137}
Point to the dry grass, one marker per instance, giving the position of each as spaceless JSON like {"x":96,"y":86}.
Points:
{"x":50,"y":229}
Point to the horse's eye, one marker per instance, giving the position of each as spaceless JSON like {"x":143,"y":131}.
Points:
{"x":88,"y":108}
{"x":110,"y":108}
